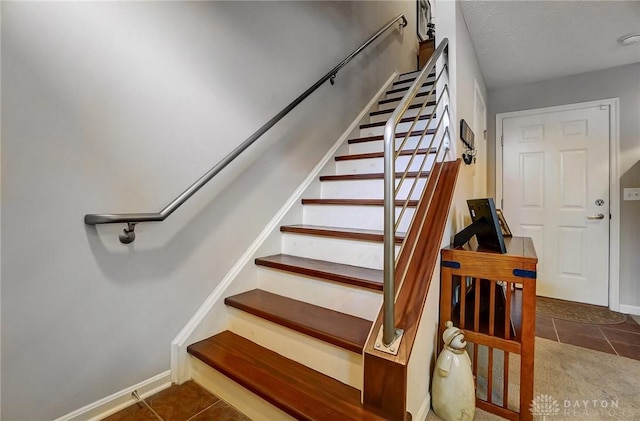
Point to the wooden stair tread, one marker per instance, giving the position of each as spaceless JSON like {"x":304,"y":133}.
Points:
{"x":381,"y":137}
{"x":370,"y":155}
{"x":433,"y":73}
{"x":356,"y":202}
{"x":337,"y":232}
{"x":406,"y":88}
{"x":390,"y":100}
{"x":370,"y":176}
{"x":340,"y":329}
{"x":403,"y":120}
{"x":347,"y":274}
{"x":390,"y":110}
{"x":301,"y":392}
{"x":409,"y":80}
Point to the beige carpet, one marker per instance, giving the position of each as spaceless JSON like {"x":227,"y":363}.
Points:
{"x":585,"y":384}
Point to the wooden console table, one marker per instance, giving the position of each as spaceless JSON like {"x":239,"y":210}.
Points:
{"x":492,"y":297}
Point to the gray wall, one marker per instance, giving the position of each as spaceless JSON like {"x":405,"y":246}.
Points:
{"x":465,"y":72}
{"x":117,"y":107}
{"x":621,"y":82}
{"x":468,"y":74}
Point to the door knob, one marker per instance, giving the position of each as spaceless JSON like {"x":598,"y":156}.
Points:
{"x":598,"y":216}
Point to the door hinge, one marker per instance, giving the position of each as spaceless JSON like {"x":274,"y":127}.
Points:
{"x":502,"y":140}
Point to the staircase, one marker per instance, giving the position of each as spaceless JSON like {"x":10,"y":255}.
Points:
{"x":297,"y":341}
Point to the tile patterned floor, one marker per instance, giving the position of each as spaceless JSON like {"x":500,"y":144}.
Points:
{"x":620,"y":339}
{"x":186,"y":402}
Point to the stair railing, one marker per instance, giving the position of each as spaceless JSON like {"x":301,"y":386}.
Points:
{"x":131,"y":219}
{"x":389,"y":337}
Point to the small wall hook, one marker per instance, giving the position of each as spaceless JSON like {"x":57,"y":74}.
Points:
{"x":128,"y":235}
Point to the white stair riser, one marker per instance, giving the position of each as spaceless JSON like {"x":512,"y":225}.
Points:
{"x":336,"y":362}
{"x":359,"y":217}
{"x":409,"y":113}
{"x":349,"y":299}
{"x":400,"y":94}
{"x":350,"y":252}
{"x":368,"y":189}
{"x":378,"y":145}
{"x":401,"y":128}
{"x":375,"y":165}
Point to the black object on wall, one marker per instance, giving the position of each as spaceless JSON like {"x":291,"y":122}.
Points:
{"x":467,"y":137}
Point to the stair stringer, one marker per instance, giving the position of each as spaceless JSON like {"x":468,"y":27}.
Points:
{"x":394,"y":385}
{"x":212,"y":317}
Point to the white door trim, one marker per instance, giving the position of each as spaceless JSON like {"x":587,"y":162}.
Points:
{"x":614,"y":180}
{"x":480,"y":137}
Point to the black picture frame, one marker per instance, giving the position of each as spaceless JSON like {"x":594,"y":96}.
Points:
{"x":423,"y":9}
{"x":485,"y":226}
{"x":504,"y":227}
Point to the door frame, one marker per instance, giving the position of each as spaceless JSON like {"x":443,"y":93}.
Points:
{"x":614,"y":179}
{"x":478,"y":97}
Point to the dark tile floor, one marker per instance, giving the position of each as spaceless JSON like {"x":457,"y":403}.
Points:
{"x":186,"y":402}
{"x":620,"y":339}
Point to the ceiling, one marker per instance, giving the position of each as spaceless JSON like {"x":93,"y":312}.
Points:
{"x":520,"y":42}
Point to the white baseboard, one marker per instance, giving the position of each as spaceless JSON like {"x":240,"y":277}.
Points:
{"x":635,"y":310}
{"x":179,"y":360}
{"x":119,"y":400}
{"x":424,"y":409}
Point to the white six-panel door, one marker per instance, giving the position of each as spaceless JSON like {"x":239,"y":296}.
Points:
{"x":556,"y":191}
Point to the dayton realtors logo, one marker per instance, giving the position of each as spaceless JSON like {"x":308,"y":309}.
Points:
{"x":597,"y":408}
{"x":544,"y":406}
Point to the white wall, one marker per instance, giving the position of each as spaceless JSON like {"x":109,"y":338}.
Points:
{"x":117,"y":107}
{"x":464,"y":71}
{"x":468,"y":75}
{"x":620,"y":82}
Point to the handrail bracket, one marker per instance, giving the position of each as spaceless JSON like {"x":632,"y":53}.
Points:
{"x":128,"y":234}
{"x":391,"y":348}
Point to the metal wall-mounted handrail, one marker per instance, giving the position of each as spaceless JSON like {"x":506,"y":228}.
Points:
{"x":390,"y":335}
{"x":131,"y":219}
